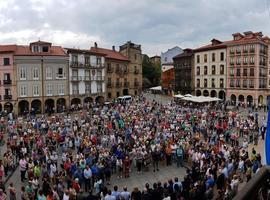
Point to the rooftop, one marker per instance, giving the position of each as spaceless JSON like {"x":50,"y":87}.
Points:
{"x":111,"y":54}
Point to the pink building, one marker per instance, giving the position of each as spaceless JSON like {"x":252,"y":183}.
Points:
{"x":248,"y":69}
{"x":8,"y":96}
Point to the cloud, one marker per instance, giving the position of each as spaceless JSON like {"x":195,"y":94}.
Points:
{"x":155,"y":24}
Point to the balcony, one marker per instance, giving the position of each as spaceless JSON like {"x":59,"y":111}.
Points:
{"x":87,"y":91}
{"x":126,"y":84}
{"x":76,"y":64}
{"x":7,"y":97}
{"x":7,"y":82}
{"x":238,"y":63}
{"x":98,"y":78}
{"x":118,"y":84}
{"x":252,"y":50}
{"x":238,"y":51}
{"x":262,"y":75}
{"x":251,"y":86}
{"x":232,"y":52}
{"x":263,"y":63}
{"x":75,"y":91}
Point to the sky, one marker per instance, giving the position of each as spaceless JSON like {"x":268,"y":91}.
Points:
{"x":155,"y":24}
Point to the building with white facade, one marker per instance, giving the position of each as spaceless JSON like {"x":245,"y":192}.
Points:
{"x":210,"y":70}
{"x":86,"y":76}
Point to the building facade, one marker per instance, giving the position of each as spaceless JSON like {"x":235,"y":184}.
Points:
{"x":155,"y":59}
{"x":134,"y":54}
{"x":248,"y":69}
{"x":210,"y":70}
{"x":86,"y":76}
{"x":184,"y":72}
{"x":42,"y":78}
{"x":8,"y":92}
{"x":167,"y":78}
{"x":123,"y":70}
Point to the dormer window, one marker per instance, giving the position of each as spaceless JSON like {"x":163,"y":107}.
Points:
{"x":35,"y":48}
{"x":45,"y":49}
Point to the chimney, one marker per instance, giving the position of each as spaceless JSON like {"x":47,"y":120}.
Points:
{"x":95,"y":45}
{"x":113,"y":48}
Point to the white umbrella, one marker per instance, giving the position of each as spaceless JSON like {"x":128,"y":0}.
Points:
{"x":188,"y":95}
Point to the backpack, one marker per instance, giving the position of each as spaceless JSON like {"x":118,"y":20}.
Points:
{"x":179,"y":152}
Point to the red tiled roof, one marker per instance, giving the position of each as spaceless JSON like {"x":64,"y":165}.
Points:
{"x":7,"y":48}
{"x":40,"y":42}
{"x":25,"y":51}
{"x":111,"y":54}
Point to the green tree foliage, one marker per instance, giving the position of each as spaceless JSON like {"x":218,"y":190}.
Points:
{"x":151,"y":72}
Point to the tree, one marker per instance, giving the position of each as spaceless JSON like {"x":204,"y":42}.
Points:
{"x":151,"y":72}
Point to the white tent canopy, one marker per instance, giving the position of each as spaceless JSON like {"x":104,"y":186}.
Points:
{"x":200,"y":99}
{"x":178,"y":96}
{"x":158,"y":88}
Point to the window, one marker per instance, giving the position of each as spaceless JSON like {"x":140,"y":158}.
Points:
{"x":99,"y":74}
{"x":231,"y":72}
{"x":238,"y":60}
{"x":205,"y":58}
{"x":87,"y":60}
{"x":6,"y":76}
{"x":213,"y":57}
{"x":213,"y":70}
{"x":238,"y":49}
{"x":221,"y":83}
{"x":245,"y":60}
{"x":205,"y":83}
{"x":213,"y":83}
{"x":198,"y":58}
{"x":244,"y":83}
{"x":221,"y":69}
{"x":135,"y":56}
{"x":49,"y":90}
{"x":87,"y":75}
{"x":35,"y":48}
{"x":74,"y":58}
{"x":165,"y":59}
{"x":245,"y":72}
{"x":36,"y":73}
{"x":252,"y":48}
{"x":245,"y":48}
{"x":75,"y":89}
{"x":251,"y":83}
{"x":237,"y":83}
{"x":99,"y":87}
{"x":45,"y":49}
{"x":98,"y":61}
{"x":61,"y":89}
{"x":6,"y":61}
{"x":232,"y":61}
{"x":252,"y":60}
{"x":231,"y":83}
{"x":35,"y":90}
{"x":198,"y":83}
{"x":232,"y":50}
{"x":48,"y":73}
{"x":60,"y":73}
{"x":22,"y":73}
{"x":205,"y":70}
{"x":222,"y":56}
{"x":88,"y":88}
{"x":198,"y":70}
{"x":251,"y":72}
{"x":23,"y":91}
{"x":238,"y":72}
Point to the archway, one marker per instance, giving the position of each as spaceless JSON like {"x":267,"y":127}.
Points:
{"x":8,"y":107}
{"x":125,"y":91}
{"x":198,"y":93}
{"x":221,"y":95}
{"x":260,"y":100}
{"x":61,"y":105}
{"x":233,"y":99}
{"x":213,"y":93}
{"x":241,"y":98}
{"x":36,"y":106}
{"x":88,"y":100}
{"x":249,"y":100}
{"x":205,"y":93}
{"x":49,"y":106}
{"x":75,"y":101}
{"x":23,"y":107}
{"x":100,"y":99}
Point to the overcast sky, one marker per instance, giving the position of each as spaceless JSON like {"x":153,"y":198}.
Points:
{"x":155,"y":24}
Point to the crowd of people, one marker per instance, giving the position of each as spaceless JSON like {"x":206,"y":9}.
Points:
{"x":74,"y":155}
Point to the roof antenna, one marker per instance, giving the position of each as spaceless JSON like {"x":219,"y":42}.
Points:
{"x":39,"y":39}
